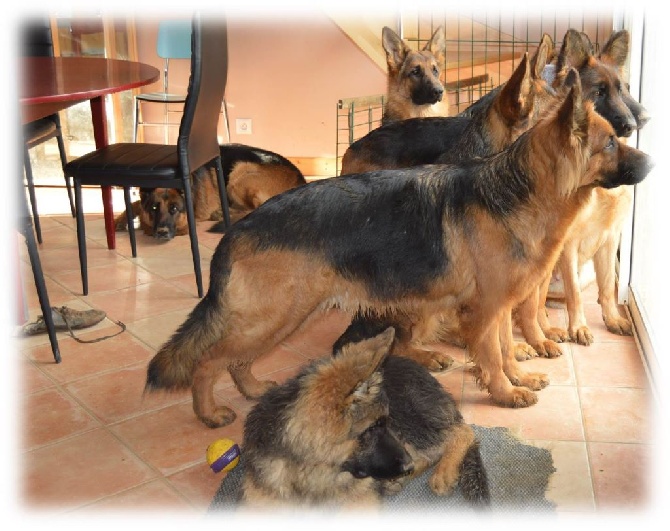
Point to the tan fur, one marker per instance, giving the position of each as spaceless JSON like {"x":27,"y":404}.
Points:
{"x":336,"y":403}
{"x":525,"y":94}
{"x":263,"y":296}
{"x":595,"y":236}
{"x":250,"y":185}
{"x":162,"y":197}
{"x":400,"y":60}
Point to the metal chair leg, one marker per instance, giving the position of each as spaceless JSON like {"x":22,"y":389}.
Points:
{"x":31,"y":193}
{"x":193,"y":235}
{"x":81,"y":237}
{"x":130,"y":220}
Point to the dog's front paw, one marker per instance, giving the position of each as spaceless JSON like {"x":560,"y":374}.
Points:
{"x":442,"y":484}
{"x":523,"y":351}
{"x":560,"y":335}
{"x":581,"y":335}
{"x":619,"y":326}
{"x":548,"y":349}
{"x":516,"y":397}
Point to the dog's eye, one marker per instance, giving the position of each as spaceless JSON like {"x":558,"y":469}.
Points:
{"x":601,"y":91}
{"x":173,"y":209}
{"x":435,"y":70}
{"x":610,"y":143}
{"x":155,"y":207}
{"x":416,"y":71}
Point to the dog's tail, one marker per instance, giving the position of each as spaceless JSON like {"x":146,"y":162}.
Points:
{"x":473,"y":481}
{"x":173,"y":365}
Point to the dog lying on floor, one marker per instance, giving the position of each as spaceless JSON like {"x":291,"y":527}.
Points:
{"x":252,"y":175}
{"x":350,"y":428}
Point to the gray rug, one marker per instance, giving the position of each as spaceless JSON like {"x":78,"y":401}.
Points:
{"x":518,"y":477}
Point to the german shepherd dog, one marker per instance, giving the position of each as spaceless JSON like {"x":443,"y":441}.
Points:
{"x":597,"y":229}
{"x":252,"y":175}
{"x":477,"y":237}
{"x":351,"y":428}
{"x":486,"y":127}
{"x":414,"y":85}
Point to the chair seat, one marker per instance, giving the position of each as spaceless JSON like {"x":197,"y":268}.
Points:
{"x":38,"y":131}
{"x":162,"y":97}
{"x":116,"y":164}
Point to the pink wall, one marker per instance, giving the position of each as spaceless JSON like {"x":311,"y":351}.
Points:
{"x":286,"y":76}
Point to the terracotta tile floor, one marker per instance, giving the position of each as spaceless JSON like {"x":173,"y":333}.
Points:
{"x":89,"y":440}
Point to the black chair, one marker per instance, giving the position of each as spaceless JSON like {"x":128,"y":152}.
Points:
{"x":167,"y":166}
{"x":25,"y":227}
{"x":36,"y":40}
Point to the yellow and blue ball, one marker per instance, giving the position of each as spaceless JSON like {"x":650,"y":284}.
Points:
{"x":223,"y":454}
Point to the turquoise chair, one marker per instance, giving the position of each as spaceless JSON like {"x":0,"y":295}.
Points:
{"x":173,"y":42}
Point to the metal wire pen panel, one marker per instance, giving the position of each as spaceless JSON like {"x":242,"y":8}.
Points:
{"x":491,"y":43}
{"x":356,"y":117}
{"x":482,"y":50}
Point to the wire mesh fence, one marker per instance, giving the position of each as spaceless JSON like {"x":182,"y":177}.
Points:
{"x":482,"y":51}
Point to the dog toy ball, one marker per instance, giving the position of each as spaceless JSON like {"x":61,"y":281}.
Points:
{"x":223,"y":454}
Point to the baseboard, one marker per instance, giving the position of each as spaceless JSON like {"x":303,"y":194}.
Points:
{"x":645,"y":341}
{"x":315,"y":167}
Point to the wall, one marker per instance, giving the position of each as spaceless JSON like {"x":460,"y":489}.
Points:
{"x":286,"y":76}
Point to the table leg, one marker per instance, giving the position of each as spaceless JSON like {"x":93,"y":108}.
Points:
{"x":99,"y":116}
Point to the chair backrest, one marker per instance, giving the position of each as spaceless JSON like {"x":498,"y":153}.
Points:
{"x":36,"y":40}
{"x":197,"y":143}
{"x":174,"y":39}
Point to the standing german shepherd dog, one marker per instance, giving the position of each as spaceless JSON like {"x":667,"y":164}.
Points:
{"x":413,"y":79}
{"x":476,"y":237}
{"x":348,"y":429}
{"x":489,"y":126}
{"x":252,"y":175}
{"x":597,"y":230}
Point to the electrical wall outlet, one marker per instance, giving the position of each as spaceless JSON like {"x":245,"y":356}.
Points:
{"x":243,"y":126}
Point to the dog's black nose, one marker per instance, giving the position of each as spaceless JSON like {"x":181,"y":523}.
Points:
{"x":438,"y":93}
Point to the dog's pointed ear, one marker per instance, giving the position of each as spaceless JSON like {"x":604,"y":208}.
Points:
{"x":373,"y":350}
{"x":572,"y":116}
{"x":574,"y":51}
{"x":437,"y":45}
{"x":395,"y":48}
{"x":542,"y":56}
{"x":514,"y":102}
{"x":615,"y":51}
{"x":588,"y":45}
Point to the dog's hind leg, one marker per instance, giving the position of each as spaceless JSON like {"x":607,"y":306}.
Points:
{"x":458,"y":440}
{"x":206,"y":374}
{"x":246,"y":382}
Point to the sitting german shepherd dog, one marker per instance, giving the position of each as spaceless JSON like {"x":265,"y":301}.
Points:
{"x":252,"y":175}
{"x":348,"y":429}
{"x":484,"y":128}
{"x":414,"y":87}
{"x":476,"y":237}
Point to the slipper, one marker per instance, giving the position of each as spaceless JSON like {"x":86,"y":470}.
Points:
{"x":65,"y":319}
